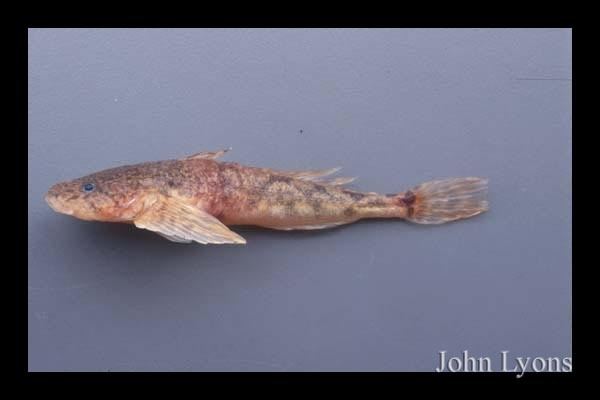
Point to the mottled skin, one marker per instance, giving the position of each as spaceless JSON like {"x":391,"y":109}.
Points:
{"x":195,"y":198}
{"x":255,"y":196}
{"x":235,"y":194}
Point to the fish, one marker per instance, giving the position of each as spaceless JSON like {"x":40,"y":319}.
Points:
{"x":197,"y":198}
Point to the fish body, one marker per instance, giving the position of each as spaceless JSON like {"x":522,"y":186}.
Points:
{"x":196,"y":198}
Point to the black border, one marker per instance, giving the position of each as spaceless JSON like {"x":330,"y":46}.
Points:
{"x":240,"y":18}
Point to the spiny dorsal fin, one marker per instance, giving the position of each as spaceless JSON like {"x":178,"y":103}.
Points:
{"x":177,"y":220}
{"x":338,"y":181}
{"x":207,"y":155}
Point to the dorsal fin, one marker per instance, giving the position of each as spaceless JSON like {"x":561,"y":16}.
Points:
{"x":311,"y":175}
{"x":319,"y":176}
{"x":338,"y":181}
{"x":207,"y":155}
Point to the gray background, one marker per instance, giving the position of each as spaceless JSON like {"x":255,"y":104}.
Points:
{"x":393,"y":107}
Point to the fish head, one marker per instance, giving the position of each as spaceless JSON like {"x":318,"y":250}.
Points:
{"x":103,"y":196}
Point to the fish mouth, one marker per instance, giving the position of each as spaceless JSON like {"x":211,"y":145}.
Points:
{"x":56,"y":205}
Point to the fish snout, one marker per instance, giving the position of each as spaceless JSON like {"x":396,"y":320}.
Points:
{"x":52,"y":197}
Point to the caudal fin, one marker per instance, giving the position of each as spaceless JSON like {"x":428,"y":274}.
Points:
{"x":440,"y":201}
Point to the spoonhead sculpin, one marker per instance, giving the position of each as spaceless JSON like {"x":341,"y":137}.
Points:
{"x":197,"y":198}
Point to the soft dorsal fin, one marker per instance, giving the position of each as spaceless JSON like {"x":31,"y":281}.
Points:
{"x":207,"y":155}
{"x":312,"y":174}
{"x":179,"y":221}
{"x":319,"y":176}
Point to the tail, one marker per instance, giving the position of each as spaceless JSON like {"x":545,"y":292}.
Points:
{"x":436,"y":202}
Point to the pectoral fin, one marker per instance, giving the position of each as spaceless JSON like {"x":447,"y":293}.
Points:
{"x":175,"y":239}
{"x":175,"y":219}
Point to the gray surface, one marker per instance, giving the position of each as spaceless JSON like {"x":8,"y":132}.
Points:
{"x":393,"y":107}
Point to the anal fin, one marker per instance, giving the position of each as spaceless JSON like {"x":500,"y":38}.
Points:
{"x":308,"y":227}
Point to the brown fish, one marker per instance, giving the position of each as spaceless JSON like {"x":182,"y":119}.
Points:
{"x":195,"y":198}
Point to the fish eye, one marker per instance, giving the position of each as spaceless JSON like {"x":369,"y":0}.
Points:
{"x":88,"y":187}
